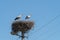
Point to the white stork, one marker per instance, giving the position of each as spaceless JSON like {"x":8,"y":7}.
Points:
{"x":27,"y":17}
{"x":18,"y":17}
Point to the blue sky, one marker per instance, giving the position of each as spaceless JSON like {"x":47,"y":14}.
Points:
{"x":45,"y":13}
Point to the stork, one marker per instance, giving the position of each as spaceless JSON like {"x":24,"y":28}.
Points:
{"x":18,"y":17}
{"x":27,"y":17}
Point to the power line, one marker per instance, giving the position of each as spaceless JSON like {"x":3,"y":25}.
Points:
{"x":47,"y":23}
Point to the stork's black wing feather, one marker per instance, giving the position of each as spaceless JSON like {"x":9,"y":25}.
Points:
{"x":16,"y":18}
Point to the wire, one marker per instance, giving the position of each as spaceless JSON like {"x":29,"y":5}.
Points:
{"x":47,"y":23}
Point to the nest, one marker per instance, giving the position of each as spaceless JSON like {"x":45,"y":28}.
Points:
{"x":22,"y":26}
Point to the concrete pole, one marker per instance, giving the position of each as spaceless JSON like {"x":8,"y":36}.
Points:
{"x":22,"y":36}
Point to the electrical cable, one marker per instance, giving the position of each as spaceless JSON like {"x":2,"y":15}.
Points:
{"x":46,"y":24}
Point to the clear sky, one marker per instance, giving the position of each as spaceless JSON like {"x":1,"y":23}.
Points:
{"x":45,"y":13}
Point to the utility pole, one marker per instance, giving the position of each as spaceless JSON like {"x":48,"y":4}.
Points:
{"x":22,"y":36}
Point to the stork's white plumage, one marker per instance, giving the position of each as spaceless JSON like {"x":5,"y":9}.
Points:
{"x":18,"y":17}
{"x":27,"y":17}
